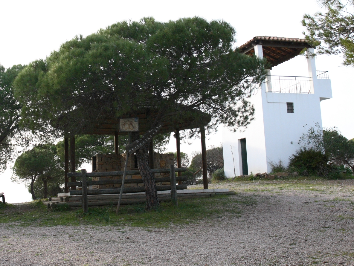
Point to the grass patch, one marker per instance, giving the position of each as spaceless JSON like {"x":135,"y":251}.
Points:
{"x":188,"y":211}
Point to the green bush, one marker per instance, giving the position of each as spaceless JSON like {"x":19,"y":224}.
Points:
{"x":191,"y":178}
{"x":278,"y":167}
{"x":310,"y":162}
{"x":219,"y":174}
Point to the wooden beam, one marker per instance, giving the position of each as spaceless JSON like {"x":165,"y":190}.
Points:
{"x":72,"y":160}
{"x":178,"y":148}
{"x":116,"y":143}
{"x":151,"y":154}
{"x":84,"y":191}
{"x":66,"y":166}
{"x":204,"y":163}
{"x":126,"y":190}
{"x":129,"y":172}
{"x":173,"y":185}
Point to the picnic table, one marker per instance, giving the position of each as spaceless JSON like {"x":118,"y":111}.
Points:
{"x":2,"y":195}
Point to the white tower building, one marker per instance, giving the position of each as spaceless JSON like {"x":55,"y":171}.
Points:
{"x":283,"y":107}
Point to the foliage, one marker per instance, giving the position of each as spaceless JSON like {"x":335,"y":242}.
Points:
{"x":41,"y":165}
{"x":184,"y":159}
{"x":277,"y":167}
{"x":54,"y":186}
{"x":118,"y":70}
{"x":9,"y":113}
{"x":214,"y":161}
{"x":338,"y":149}
{"x":310,"y":162}
{"x":313,"y":139}
{"x":333,"y":30}
{"x":219,"y":174}
{"x":160,"y":142}
{"x":191,"y":177}
{"x":87,"y":146}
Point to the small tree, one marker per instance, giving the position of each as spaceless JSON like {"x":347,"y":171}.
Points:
{"x":214,"y":161}
{"x":338,"y":149}
{"x":332,"y":30}
{"x":41,"y":165}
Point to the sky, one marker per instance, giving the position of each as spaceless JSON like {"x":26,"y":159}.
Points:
{"x":31,"y":30}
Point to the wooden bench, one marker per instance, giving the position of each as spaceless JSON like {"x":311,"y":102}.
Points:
{"x":84,"y":184}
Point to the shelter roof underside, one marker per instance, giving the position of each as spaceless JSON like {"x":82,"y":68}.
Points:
{"x":276,"y":50}
{"x":110,"y":124}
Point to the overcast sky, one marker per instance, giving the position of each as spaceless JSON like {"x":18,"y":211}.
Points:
{"x":31,"y":30}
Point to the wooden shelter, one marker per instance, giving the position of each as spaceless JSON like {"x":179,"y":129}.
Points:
{"x":112,"y":126}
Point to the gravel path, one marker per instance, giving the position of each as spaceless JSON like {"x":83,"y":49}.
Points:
{"x":288,"y":225}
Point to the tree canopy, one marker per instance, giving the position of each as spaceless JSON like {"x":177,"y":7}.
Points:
{"x":39,"y":165}
{"x":9,"y":112}
{"x":132,"y":65}
{"x":333,"y":30}
{"x":214,"y":161}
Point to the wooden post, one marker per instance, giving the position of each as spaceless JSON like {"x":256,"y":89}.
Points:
{"x":84,"y":191}
{"x":66,"y":166}
{"x":204,"y":163}
{"x":123,"y":179}
{"x":116,"y":143}
{"x":151,"y":154}
{"x":72,"y":160}
{"x":178,"y":146}
{"x":173,"y":185}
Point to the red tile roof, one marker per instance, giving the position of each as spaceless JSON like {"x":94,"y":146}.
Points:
{"x":275,"y":49}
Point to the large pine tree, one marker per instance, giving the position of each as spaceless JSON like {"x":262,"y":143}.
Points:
{"x":176,"y":69}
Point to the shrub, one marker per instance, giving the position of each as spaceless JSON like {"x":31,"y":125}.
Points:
{"x":278,"y":167}
{"x":191,"y":177}
{"x":310,"y":162}
{"x":219,"y":174}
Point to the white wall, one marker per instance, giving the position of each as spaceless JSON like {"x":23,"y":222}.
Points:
{"x":274,"y":134}
{"x":283,"y":130}
{"x":255,"y":143}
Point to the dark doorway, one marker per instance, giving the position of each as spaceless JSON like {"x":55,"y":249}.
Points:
{"x":244,"y":157}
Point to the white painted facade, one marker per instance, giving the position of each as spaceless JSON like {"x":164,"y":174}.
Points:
{"x":274,"y":133}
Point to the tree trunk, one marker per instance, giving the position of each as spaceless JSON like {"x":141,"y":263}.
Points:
{"x":152,"y":201}
{"x":32,"y":189}
{"x":45,"y":188}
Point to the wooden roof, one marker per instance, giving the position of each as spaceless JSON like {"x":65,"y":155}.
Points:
{"x":276,"y":50}
{"x":109,"y":125}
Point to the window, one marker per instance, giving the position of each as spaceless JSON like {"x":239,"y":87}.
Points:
{"x":290,"y":107}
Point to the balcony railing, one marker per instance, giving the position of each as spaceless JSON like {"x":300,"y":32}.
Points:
{"x":322,"y":74}
{"x":290,"y":84}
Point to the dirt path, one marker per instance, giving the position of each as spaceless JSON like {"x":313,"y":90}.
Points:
{"x":280,"y":224}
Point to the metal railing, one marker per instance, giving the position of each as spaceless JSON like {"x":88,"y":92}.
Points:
{"x":290,"y":84}
{"x":322,"y":74}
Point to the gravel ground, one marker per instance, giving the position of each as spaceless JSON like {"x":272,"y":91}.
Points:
{"x":288,"y":225}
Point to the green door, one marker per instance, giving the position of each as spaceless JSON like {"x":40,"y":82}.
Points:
{"x":244,"y":157}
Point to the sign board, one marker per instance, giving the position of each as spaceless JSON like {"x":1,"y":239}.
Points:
{"x":129,"y":124}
